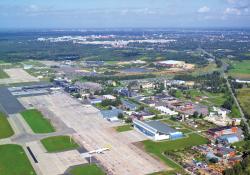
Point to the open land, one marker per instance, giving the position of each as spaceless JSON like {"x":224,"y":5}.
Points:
{"x":17,"y":75}
{"x":37,"y":122}
{"x":240,"y":69}
{"x":5,"y":128}
{"x":124,"y":128}
{"x":158,"y":148}
{"x":14,"y":161}
{"x":91,"y":169}
{"x":3,"y":74}
{"x":244,"y":99}
{"x":59,"y":143}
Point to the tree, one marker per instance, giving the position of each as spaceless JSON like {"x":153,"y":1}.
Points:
{"x":195,"y":115}
{"x":120,"y":116}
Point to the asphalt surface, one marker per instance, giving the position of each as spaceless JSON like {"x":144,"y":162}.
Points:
{"x":8,"y":103}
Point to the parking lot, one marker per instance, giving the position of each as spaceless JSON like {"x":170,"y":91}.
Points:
{"x":93,"y":132}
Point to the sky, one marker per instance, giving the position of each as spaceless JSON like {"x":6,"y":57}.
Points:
{"x":124,"y":13}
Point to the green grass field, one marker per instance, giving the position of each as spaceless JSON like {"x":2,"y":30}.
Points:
{"x":167,"y":173}
{"x":37,"y":122}
{"x":240,"y":145}
{"x":209,"y":99}
{"x":3,"y":74}
{"x":59,"y":143}
{"x":13,"y":161}
{"x":91,"y":169}
{"x":158,"y":148}
{"x":243,"y":95}
{"x":5,"y":128}
{"x":124,"y":128}
{"x":211,"y":67}
{"x":241,"y":69}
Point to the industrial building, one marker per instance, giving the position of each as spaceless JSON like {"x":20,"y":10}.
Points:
{"x":166,"y":110}
{"x":156,"y":130}
{"x":228,"y":138}
{"x":217,"y":132}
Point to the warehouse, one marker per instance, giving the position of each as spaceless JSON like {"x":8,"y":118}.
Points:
{"x":156,"y":130}
{"x":217,"y":132}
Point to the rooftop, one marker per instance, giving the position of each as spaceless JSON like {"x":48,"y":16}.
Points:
{"x":171,"y":62}
{"x":160,"y":127}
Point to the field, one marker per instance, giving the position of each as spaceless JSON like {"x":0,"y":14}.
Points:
{"x":204,"y":70}
{"x":59,"y":143}
{"x":240,"y":145}
{"x":37,"y":122}
{"x":13,"y":161}
{"x":244,"y":99}
{"x":240,"y":69}
{"x":17,"y":75}
{"x":3,"y":74}
{"x":87,"y":170}
{"x":124,"y":128}
{"x":158,"y":148}
{"x":208,"y":98}
{"x":5,"y":128}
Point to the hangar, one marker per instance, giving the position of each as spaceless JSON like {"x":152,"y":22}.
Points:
{"x":156,"y":130}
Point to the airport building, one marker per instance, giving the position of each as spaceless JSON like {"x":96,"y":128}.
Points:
{"x":156,"y":130}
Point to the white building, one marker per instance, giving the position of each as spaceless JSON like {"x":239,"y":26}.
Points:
{"x":156,"y":130}
{"x":166,"y":110}
{"x":109,"y":97}
{"x":219,"y":117}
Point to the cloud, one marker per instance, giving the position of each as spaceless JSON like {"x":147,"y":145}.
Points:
{"x":204,"y":9}
{"x":232,"y":11}
{"x":232,"y":1}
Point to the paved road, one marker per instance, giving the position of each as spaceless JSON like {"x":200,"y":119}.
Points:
{"x":224,"y":68}
{"x":237,"y":103}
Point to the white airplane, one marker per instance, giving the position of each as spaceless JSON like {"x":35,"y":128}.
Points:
{"x":99,"y":151}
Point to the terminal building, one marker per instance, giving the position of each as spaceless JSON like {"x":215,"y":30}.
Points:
{"x":156,"y":130}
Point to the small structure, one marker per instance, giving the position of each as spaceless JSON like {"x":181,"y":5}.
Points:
{"x":225,"y":152}
{"x":166,"y":110}
{"x":95,"y":100}
{"x":142,"y":115}
{"x":156,"y":130}
{"x":109,"y":97}
{"x":129,"y":105}
{"x":219,"y":117}
{"x":111,"y":115}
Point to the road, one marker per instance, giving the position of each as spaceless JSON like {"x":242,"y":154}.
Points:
{"x":237,"y":103}
{"x":224,"y":68}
